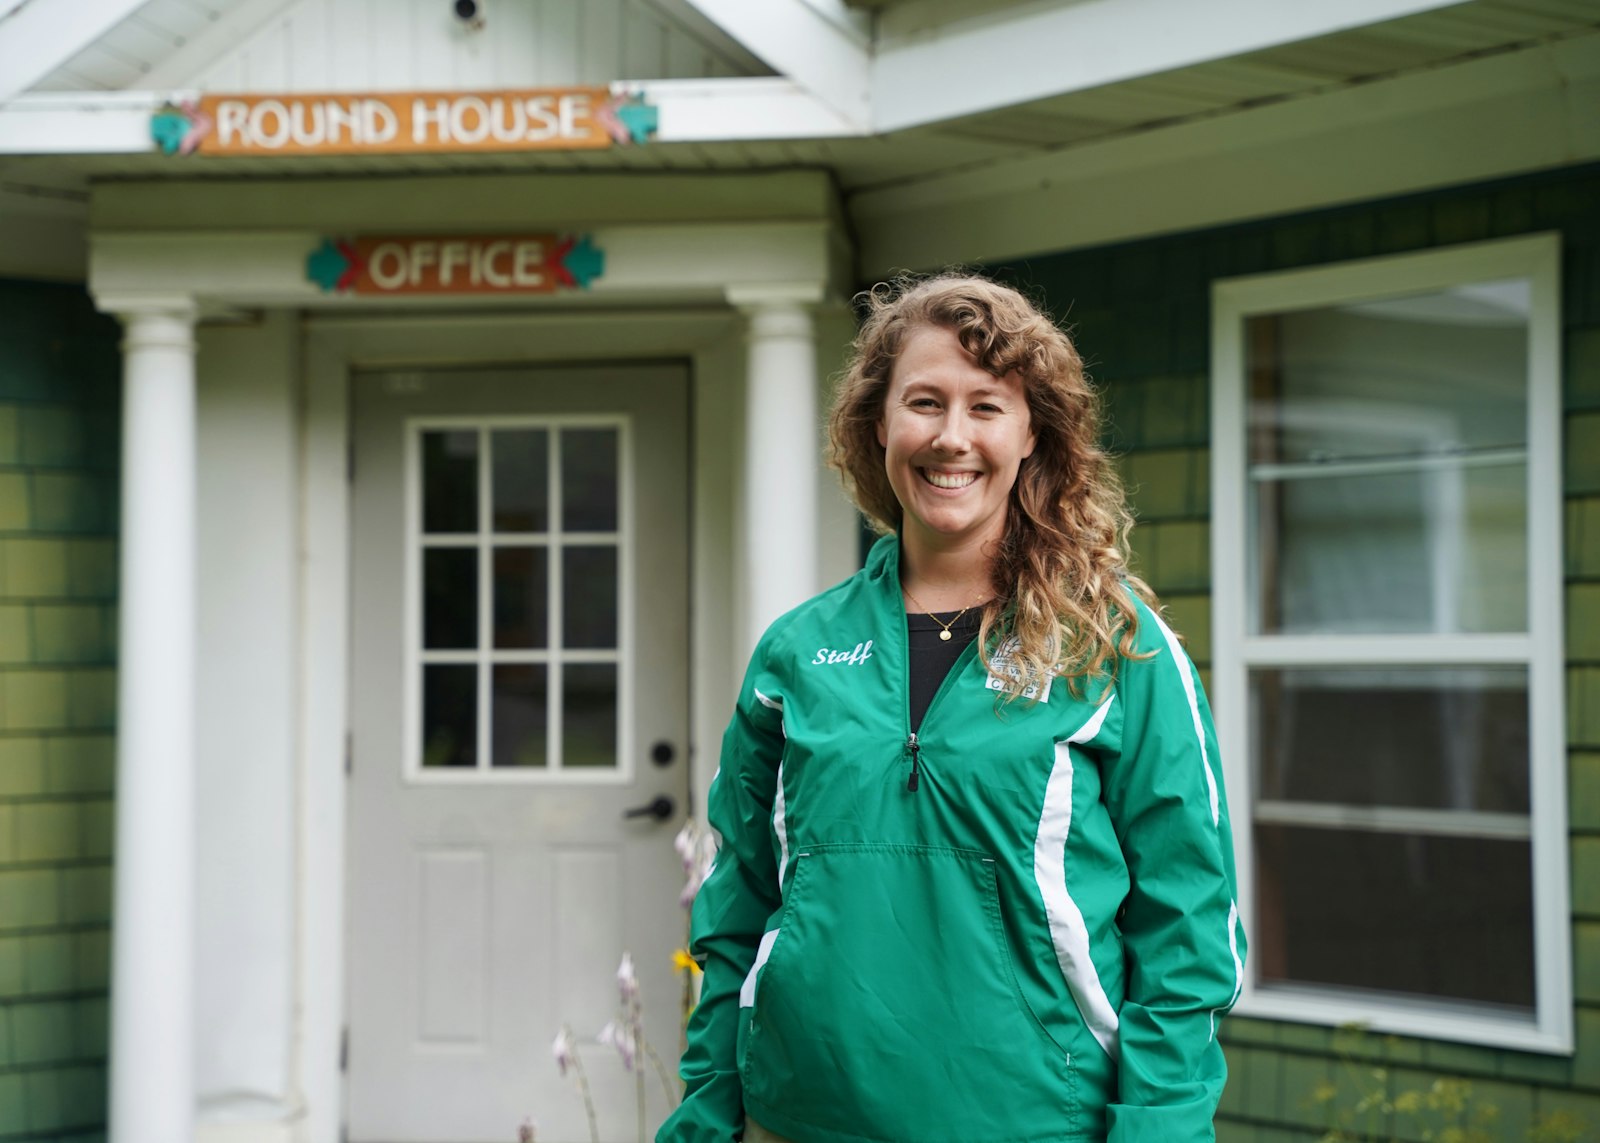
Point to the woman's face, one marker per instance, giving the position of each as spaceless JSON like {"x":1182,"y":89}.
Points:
{"x":953,"y":436}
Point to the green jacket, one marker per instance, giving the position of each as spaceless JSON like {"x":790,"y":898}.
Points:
{"x":1019,"y":925}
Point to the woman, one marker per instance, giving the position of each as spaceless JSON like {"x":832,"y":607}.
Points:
{"x":976,"y":878}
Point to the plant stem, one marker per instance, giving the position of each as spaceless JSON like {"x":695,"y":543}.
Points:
{"x":588,"y":1097}
{"x":638,"y":1079}
{"x":636,"y":1014}
{"x":661,"y":1073}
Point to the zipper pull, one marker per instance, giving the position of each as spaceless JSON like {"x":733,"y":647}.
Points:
{"x":911,"y":744}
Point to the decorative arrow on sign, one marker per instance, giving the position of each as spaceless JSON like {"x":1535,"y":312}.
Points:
{"x":335,"y":265}
{"x":326,"y":266}
{"x":178,"y":128}
{"x":628,"y":119}
{"x":579,"y":262}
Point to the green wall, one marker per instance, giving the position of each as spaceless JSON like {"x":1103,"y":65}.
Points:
{"x":1141,"y":316}
{"x":59,"y":368}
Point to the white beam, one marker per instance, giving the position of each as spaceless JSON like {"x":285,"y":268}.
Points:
{"x":78,"y":123}
{"x":820,"y":44}
{"x":712,"y":110}
{"x":1037,"y":53}
{"x":38,"y":37}
{"x":210,"y":43}
{"x":1487,"y":118}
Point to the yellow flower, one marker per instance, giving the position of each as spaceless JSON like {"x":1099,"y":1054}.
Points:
{"x":682,"y":961}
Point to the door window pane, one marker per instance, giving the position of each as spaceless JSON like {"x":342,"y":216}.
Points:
{"x":522,"y":597}
{"x":449,"y":598}
{"x":450,"y":481}
{"x":589,"y":596}
{"x":589,"y":715}
{"x":1446,"y":738}
{"x":521,"y":703}
{"x":449,"y":714}
{"x":1439,"y":917}
{"x":589,"y":480}
{"x":521,"y":480}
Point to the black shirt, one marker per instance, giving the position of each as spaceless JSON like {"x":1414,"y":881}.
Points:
{"x":931,"y":656}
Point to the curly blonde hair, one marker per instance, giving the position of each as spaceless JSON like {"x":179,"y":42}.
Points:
{"x":1062,"y":589}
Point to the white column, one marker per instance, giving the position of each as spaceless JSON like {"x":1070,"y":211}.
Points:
{"x":152,"y":982}
{"x":783,"y":450}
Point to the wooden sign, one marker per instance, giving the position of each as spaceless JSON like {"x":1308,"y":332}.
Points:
{"x":568,"y":118}
{"x":397,"y":264}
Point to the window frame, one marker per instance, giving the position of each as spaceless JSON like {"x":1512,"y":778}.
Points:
{"x":485,"y":655}
{"x":1235,"y":651}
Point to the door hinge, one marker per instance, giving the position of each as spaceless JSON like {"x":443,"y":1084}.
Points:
{"x":350,"y":461}
{"x":344,"y":1048}
{"x":349,"y":753}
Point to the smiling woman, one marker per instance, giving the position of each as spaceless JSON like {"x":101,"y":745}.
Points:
{"x":953,"y":436}
{"x":976,"y":879}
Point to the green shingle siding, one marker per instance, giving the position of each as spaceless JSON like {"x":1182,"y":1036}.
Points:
{"x":1141,"y":316}
{"x":58,"y":579}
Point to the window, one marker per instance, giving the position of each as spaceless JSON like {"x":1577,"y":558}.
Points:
{"x":1388,"y":674}
{"x":517,"y":625}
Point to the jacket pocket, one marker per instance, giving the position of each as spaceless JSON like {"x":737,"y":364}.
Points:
{"x":889,"y":1007}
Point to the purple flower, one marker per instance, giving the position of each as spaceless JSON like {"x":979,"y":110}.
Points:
{"x":627,"y":981}
{"x":564,"y":1050}
{"x":614,"y":1035}
{"x":684,"y":843}
{"x":697,"y":848}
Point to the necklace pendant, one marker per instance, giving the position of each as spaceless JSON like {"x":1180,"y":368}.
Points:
{"x":944,"y":636}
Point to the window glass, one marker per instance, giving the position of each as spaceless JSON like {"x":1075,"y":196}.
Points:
{"x":1441,"y":917}
{"x":450,"y":481}
{"x":589,"y":596}
{"x":1388,"y":464}
{"x":521,"y":705}
{"x":450,"y":598}
{"x":521,"y":480}
{"x":449,"y":715}
{"x":521,"y":597}
{"x":1443,"y":738}
{"x":589,"y":480}
{"x":589,"y":714}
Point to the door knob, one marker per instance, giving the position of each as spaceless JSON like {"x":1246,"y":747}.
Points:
{"x":659,"y":807}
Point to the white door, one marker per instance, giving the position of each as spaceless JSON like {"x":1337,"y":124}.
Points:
{"x":519,"y":602}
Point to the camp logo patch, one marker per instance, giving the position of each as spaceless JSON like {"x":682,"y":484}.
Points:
{"x":1004,"y":667}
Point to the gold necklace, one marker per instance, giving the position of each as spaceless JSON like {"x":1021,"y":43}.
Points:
{"x":944,"y":636}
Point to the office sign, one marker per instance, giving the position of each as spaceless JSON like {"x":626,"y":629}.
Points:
{"x":409,"y":264}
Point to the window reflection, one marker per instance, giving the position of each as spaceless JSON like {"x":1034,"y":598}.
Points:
{"x":521,"y":704}
{"x":589,"y":597}
{"x":1388,"y":454}
{"x":521,"y":480}
{"x":450,"y":481}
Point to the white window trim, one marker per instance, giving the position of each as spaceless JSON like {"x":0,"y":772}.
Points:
{"x":1536,"y":258}
{"x":484,"y":540}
